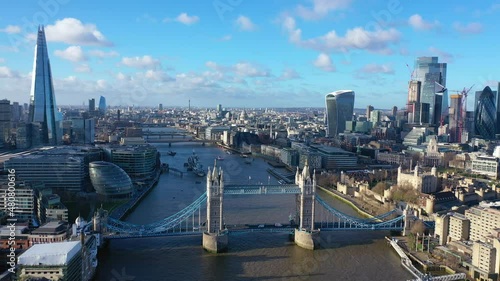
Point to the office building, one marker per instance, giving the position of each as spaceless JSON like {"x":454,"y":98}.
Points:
{"x":459,"y":228}
{"x":486,"y":165}
{"x":334,"y":158}
{"x":50,"y":232}
{"x":483,"y":260}
{"x":102,"y":105}
{"x":485,"y":114}
{"x":140,"y":162}
{"x":5,"y":120}
{"x":25,"y":210}
{"x":456,"y":122}
{"x":290,"y":157}
{"x":369,"y":110}
{"x":429,"y":72}
{"x":55,"y":261}
{"x":482,"y":221}
{"x":43,"y":107}
{"x":413,"y":104}
{"x":91,"y":105}
{"x":339,"y":109}
{"x":160,"y":107}
{"x":17,"y":112}
{"x":63,"y":168}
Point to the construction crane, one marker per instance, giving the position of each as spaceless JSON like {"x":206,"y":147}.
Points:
{"x":412,"y":73}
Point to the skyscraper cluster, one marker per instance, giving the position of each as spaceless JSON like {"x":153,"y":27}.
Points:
{"x":427,"y":99}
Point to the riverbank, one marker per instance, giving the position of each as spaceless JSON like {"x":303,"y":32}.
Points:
{"x":352,"y":204}
{"x":122,"y":211}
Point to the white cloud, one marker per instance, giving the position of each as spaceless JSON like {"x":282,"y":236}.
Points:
{"x":141,"y":62}
{"x":245,"y":24}
{"x":321,"y":8}
{"x":83,"y":68}
{"x":243,"y":69}
{"x":2,"y":60}
{"x":470,"y":28}
{"x":6,"y":72}
{"x":158,"y":75}
{"x":249,"y":70}
{"x":417,"y":22}
{"x":184,"y":18}
{"x":73,"y":31}
{"x":377,"y":68}
{"x":294,"y":33}
{"x":72,"y":53}
{"x":11,"y":29}
{"x":102,"y":54}
{"x":358,"y":38}
{"x":289,"y":74}
{"x":122,"y":77}
{"x":324,"y":62}
{"x":443,"y":56}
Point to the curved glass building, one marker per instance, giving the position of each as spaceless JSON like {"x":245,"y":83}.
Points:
{"x":43,"y":108}
{"x":485,"y":114}
{"x":339,"y":109}
{"x":110,"y":180}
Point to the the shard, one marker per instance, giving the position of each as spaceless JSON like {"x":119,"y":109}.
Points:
{"x":43,"y":108}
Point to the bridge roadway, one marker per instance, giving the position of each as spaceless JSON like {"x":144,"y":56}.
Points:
{"x":178,"y":141}
{"x":197,"y":231}
{"x":261,"y":189}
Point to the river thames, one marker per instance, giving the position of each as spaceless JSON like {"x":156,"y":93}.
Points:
{"x":343,"y":255}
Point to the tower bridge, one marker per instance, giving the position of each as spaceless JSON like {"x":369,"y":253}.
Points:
{"x":205,"y":216}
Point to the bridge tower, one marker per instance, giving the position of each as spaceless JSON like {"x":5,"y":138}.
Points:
{"x":215,"y":238}
{"x":100,"y":222}
{"x":409,"y":217}
{"x":306,"y":236}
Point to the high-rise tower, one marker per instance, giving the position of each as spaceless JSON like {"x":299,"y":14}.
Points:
{"x":339,"y":109}
{"x":429,"y":71}
{"x":43,"y":108}
{"x":485,"y":113}
{"x":102,"y":105}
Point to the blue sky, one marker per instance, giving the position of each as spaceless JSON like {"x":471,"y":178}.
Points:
{"x":242,"y":53}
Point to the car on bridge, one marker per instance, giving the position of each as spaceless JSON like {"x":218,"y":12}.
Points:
{"x":261,"y":226}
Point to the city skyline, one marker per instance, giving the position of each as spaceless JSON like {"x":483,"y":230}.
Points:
{"x":207,"y":53}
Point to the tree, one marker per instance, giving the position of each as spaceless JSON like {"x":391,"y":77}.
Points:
{"x":418,"y":227}
{"x":380,"y":187}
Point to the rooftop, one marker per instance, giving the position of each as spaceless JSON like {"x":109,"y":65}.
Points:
{"x":50,"y":254}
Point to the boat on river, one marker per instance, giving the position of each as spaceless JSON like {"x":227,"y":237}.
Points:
{"x":195,"y":166}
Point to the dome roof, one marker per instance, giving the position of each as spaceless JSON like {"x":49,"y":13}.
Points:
{"x":80,"y":221}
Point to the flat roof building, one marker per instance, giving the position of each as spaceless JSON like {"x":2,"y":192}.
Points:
{"x":55,"y":261}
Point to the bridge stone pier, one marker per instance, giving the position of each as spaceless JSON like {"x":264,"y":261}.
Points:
{"x":306,"y":236}
{"x":215,"y":238}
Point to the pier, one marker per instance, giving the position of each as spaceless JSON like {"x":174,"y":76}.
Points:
{"x":408,"y":265}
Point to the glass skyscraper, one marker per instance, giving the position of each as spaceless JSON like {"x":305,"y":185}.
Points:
{"x":43,"y":108}
{"x":485,"y":114}
{"x":102,"y":105}
{"x":429,"y":71}
{"x":339,"y":109}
